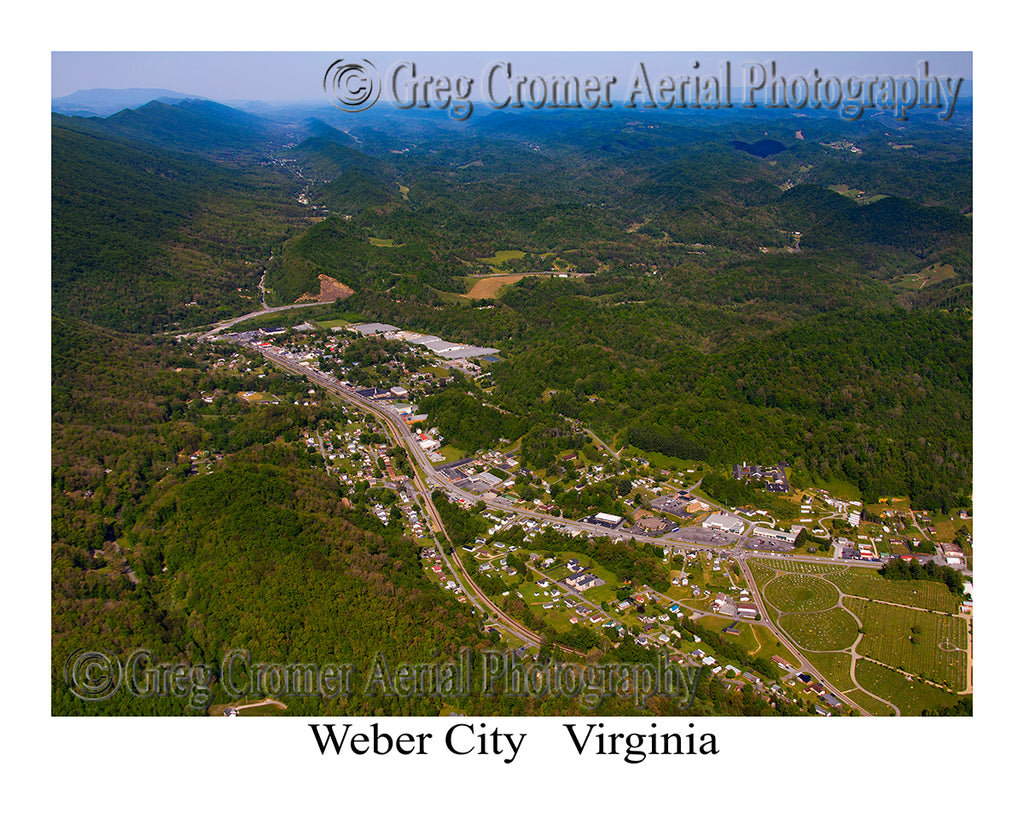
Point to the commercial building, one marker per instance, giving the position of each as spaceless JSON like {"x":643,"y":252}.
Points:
{"x":774,"y":534}
{"x":373,"y":328}
{"x":723,"y":522}
{"x":604,"y":519}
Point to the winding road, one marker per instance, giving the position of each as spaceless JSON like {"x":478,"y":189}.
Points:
{"x":424,"y":473}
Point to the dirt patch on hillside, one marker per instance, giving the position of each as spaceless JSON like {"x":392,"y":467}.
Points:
{"x":488,"y":287}
{"x":330,"y":289}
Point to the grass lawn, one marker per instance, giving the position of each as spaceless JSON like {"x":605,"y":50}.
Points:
{"x":938,"y":272}
{"x":450,"y":453}
{"x":770,"y":646}
{"x":559,"y":616}
{"x":835,"y":666}
{"x":933,"y":654}
{"x":925,"y":594}
{"x":765,"y":564}
{"x":437,"y":372}
{"x":839,"y":489}
{"x":500,"y":257}
{"x":715,"y":622}
{"x":762,"y":572}
{"x":870,"y":704}
{"x":946,"y":528}
{"x":681,"y":594}
{"x":800,"y":592}
{"x":338,"y":321}
{"x":830,"y":630}
{"x":659,"y":461}
{"x":910,"y":696}
{"x":756,"y":640}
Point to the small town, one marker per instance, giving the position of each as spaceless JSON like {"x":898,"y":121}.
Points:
{"x":532,"y":550}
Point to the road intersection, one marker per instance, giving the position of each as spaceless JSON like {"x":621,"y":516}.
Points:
{"x":425,"y":477}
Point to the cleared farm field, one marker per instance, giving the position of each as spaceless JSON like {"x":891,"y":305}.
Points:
{"x":800,"y":592}
{"x":910,"y":696}
{"x":487,"y":287}
{"x":925,"y":594}
{"x":930,"y":645}
{"x":502,"y":256}
{"x":830,"y":630}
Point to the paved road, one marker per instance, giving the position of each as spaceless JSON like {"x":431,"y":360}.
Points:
{"x":783,"y":638}
{"x":400,"y":434}
{"x":221,"y":326}
{"x":605,"y":446}
{"x":424,"y":467}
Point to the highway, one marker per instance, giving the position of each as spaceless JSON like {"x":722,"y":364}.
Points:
{"x":220,"y":326}
{"x":424,"y":471}
{"x":397,"y":431}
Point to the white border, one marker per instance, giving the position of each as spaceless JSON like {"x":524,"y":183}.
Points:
{"x":767,"y":767}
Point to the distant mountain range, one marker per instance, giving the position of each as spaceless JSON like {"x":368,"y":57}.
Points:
{"x":101,"y":102}
{"x":191,"y":125}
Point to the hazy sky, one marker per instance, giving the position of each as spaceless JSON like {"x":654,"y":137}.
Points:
{"x":294,"y":76}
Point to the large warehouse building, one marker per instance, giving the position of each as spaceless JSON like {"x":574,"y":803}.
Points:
{"x":723,"y":522}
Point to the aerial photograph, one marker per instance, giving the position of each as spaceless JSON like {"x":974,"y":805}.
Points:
{"x":520,"y":384}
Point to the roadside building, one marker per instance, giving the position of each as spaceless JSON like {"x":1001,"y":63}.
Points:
{"x":723,"y":522}
{"x":774,"y":534}
{"x":954,"y":554}
{"x":748,"y":610}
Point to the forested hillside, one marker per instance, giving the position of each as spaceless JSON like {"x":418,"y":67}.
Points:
{"x":145,"y":239}
{"x":718,"y":289}
{"x":739,"y":305}
{"x":149,"y":553}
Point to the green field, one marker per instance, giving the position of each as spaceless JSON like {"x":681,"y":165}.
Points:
{"x":930,"y":275}
{"x":339,"y":323}
{"x":756,"y":640}
{"x":910,"y":696}
{"x":437,"y":372}
{"x":932,"y":652}
{"x":794,"y":566}
{"x":905,"y":624}
{"x":870,"y":704}
{"x":658,"y":460}
{"x":821,"y":631}
{"x":800,"y":592}
{"x":502,"y":256}
{"x":835,"y":666}
{"x":450,"y":453}
{"x":839,"y":489}
{"x":761,"y":572}
{"x":925,"y":594}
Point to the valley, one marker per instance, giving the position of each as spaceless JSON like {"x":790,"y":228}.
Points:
{"x":508,"y":385}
